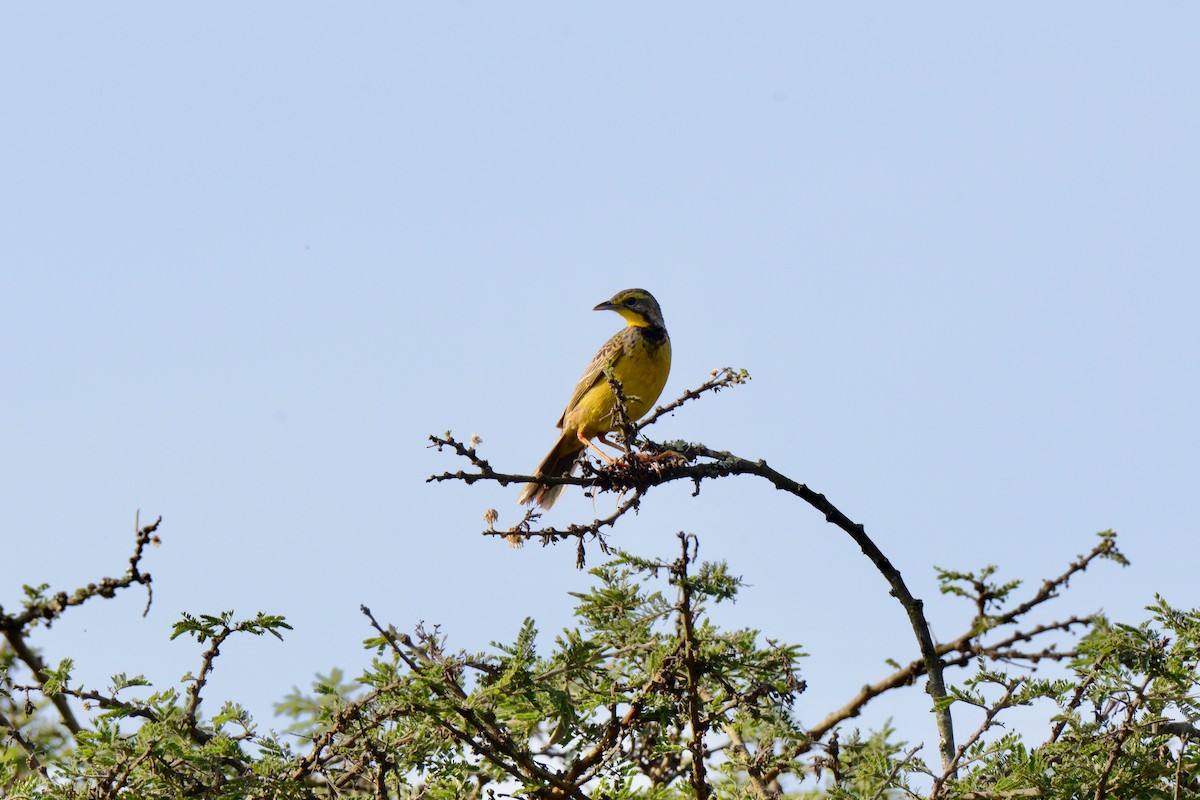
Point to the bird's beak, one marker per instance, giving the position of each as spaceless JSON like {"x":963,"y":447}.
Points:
{"x":607,"y":305}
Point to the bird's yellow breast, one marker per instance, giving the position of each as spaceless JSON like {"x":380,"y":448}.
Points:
{"x":641,"y":365}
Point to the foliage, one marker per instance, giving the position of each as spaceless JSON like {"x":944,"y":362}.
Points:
{"x":643,"y":697}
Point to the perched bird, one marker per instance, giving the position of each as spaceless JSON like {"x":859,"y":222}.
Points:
{"x":639,"y":357}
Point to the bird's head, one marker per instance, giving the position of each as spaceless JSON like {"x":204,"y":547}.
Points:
{"x":637,"y":306}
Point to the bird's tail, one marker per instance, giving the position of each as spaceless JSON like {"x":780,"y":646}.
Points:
{"x":558,"y":464}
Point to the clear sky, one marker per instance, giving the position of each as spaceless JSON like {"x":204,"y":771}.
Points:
{"x":252,"y":254}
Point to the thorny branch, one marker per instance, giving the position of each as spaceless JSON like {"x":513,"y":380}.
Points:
{"x":595,"y":530}
{"x":14,"y":733}
{"x":201,"y":679}
{"x":51,"y":609}
{"x":1122,"y":734}
{"x":107,"y":701}
{"x":989,"y":720}
{"x":704,"y":463}
{"x":691,"y":663}
{"x":1077,"y":698}
{"x":699,"y":463}
{"x":967,"y":648}
{"x":46,"y":610}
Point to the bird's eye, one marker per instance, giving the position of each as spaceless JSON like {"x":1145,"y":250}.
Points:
{"x":630,"y":301}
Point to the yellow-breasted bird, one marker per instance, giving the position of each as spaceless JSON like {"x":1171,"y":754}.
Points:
{"x":639,"y":357}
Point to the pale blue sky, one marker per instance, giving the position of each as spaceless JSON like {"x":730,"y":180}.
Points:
{"x":254,"y":253}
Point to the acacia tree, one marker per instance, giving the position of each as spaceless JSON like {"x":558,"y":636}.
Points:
{"x":643,"y":698}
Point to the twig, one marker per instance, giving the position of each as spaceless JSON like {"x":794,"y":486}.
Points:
{"x":50,"y":609}
{"x":1077,"y":698}
{"x":198,"y":735}
{"x":30,"y":751}
{"x":757,"y":781}
{"x":206,"y":665}
{"x":1049,"y":588}
{"x":123,"y":778}
{"x":351,"y":711}
{"x":720,"y":379}
{"x":585,"y":767}
{"x":988,"y":718}
{"x":896,"y":765}
{"x":15,"y":626}
{"x":691,"y":664}
{"x":964,"y":652}
{"x":1123,"y":733}
{"x":37,"y":666}
{"x":524,"y":531}
{"x":620,"y":412}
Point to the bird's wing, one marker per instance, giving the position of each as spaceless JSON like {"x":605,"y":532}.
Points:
{"x":609,"y":354}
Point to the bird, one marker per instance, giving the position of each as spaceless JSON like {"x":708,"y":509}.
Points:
{"x":639,"y":357}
